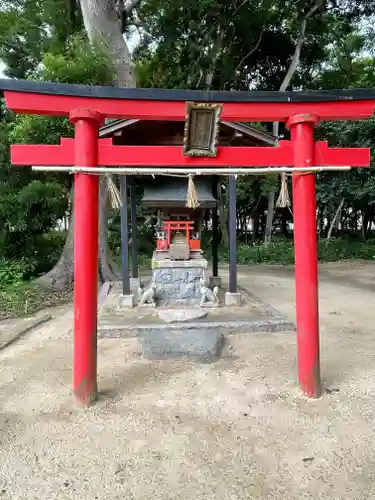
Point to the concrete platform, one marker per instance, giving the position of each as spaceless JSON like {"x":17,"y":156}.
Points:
{"x":252,"y":316}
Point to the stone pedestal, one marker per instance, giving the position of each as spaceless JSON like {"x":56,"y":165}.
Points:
{"x":203,"y":345}
{"x":178,"y":281}
{"x":215,"y":281}
{"x":232,"y":299}
{"x":127,"y":301}
{"x":135,"y":284}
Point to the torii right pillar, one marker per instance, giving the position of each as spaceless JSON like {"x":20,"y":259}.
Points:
{"x":306,"y":255}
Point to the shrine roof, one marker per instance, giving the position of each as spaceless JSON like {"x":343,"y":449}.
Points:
{"x":112,"y":127}
{"x":172,"y":192}
{"x":110,"y":92}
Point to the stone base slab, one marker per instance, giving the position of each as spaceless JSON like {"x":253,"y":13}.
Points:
{"x":181,"y":315}
{"x":232,"y":299}
{"x":200,"y":344}
{"x":136,"y":330}
{"x":184,"y":264}
{"x":127,"y":301}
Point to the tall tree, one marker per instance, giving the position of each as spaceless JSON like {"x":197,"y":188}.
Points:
{"x":106,"y":22}
{"x":243,"y":45}
{"x":38,"y":40}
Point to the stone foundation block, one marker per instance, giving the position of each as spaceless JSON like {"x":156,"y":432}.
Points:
{"x":214,"y":281}
{"x":127,"y":301}
{"x":200,"y":344}
{"x":135,"y":284}
{"x":178,"y":282}
{"x":232,"y":299}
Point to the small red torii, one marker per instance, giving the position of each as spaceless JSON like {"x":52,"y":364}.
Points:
{"x":88,"y":106}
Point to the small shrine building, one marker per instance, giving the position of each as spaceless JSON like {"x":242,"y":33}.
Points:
{"x":179,"y":227}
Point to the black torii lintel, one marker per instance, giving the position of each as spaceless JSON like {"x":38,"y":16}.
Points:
{"x":109,"y":92}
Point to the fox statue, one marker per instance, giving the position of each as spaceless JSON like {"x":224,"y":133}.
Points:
{"x":208,"y":295}
{"x":148,"y":296}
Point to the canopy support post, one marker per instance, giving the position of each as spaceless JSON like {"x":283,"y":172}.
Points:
{"x":124,"y":234}
{"x":133,"y":215}
{"x":232,"y":223}
{"x":215,"y":235}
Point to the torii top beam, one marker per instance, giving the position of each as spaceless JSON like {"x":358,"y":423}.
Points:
{"x":24,"y":96}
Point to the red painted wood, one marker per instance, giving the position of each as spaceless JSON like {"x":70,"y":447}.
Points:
{"x":178,"y":225}
{"x":170,"y":156}
{"x":56,"y":105}
{"x":165,"y":156}
{"x":353,"y":157}
{"x":30,"y":154}
{"x":305,"y":257}
{"x":195,"y":244}
{"x":86,"y":202}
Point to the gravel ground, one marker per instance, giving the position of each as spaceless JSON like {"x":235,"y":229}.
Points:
{"x":238,"y":428}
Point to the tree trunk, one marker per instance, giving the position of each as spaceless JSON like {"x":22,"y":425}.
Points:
{"x":60,"y":276}
{"x":284,"y":85}
{"x":284,"y":222}
{"x":107,"y":269}
{"x":255,"y":228}
{"x":269,"y":220}
{"x":364,"y":225}
{"x":104,"y":29}
{"x":335,"y":218}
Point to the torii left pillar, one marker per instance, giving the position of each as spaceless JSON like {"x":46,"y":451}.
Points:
{"x":305,"y":254}
{"x":86,"y":221}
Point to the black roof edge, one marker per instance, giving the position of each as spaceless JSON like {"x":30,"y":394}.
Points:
{"x":109,"y":92}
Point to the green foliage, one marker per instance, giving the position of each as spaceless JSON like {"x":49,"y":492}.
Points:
{"x":242,"y":44}
{"x":32,"y":204}
{"x":40,"y":254}
{"x":282,"y":252}
{"x":23,"y":298}
{"x":80,"y":63}
{"x":12,"y":272}
{"x":29,"y":29}
{"x":28,"y":213}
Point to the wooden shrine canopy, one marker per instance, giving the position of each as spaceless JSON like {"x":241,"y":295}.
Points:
{"x":88,"y":107}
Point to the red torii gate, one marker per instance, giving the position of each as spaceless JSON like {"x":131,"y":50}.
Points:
{"x":88,"y":106}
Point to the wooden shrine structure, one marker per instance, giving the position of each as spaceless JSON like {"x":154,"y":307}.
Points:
{"x":160,"y":192}
{"x":88,"y":106}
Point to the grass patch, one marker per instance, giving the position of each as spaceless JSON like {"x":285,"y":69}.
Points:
{"x":282,"y":252}
{"x":25,"y":298}
{"x":143,"y":261}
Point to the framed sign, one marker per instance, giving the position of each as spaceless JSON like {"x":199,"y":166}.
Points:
{"x":201,"y":129}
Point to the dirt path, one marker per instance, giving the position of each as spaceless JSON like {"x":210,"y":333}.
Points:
{"x":232,"y":430}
